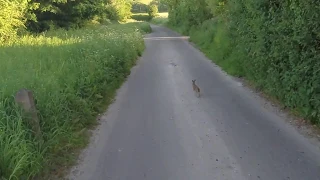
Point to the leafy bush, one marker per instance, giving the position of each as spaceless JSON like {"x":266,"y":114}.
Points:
{"x":42,"y":15}
{"x":72,"y":74}
{"x":11,"y":17}
{"x":119,"y":10}
{"x":65,"y":14}
{"x":152,"y":11}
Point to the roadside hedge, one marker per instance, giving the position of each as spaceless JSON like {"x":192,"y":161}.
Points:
{"x":274,"y":44}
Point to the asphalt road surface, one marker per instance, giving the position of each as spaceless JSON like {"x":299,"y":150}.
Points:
{"x":157,"y":129}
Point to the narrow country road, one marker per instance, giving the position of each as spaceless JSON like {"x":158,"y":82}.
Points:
{"x":157,"y":129}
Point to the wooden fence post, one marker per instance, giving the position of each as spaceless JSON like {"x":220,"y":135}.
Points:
{"x":25,"y":99}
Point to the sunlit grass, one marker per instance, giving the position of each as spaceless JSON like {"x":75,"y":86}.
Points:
{"x":72,"y":74}
{"x":163,"y":15}
{"x":144,"y":1}
{"x":140,"y":17}
{"x":160,"y":19}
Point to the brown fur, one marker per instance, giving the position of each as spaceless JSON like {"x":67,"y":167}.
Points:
{"x":196,"y":88}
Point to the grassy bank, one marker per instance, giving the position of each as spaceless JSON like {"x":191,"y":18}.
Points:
{"x":73,"y":74}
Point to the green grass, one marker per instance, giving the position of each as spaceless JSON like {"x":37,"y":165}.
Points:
{"x":140,"y":16}
{"x":160,"y":19}
{"x":212,"y":39}
{"x":163,"y":15}
{"x":73,"y":74}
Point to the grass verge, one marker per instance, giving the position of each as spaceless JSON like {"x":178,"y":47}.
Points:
{"x":73,"y":74}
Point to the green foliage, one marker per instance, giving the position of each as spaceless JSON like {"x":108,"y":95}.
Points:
{"x":273,"y":44}
{"x":152,"y":11}
{"x":141,"y":17}
{"x":162,"y":7}
{"x":145,"y":27}
{"x":43,"y":15}
{"x":66,"y":14}
{"x":72,"y":74}
{"x":119,"y":10}
{"x":11,"y":17}
{"x":217,"y":7}
{"x":188,"y":13}
{"x":161,"y":19}
{"x":138,"y":7}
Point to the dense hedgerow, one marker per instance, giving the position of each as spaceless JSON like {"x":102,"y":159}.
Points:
{"x":72,"y":73}
{"x":274,"y":44}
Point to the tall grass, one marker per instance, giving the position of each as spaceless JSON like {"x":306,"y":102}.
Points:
{"x":213,"y":39}
{"x":72,"y":74}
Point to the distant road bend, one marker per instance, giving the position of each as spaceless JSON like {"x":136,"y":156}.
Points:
{"x":159,"y":130}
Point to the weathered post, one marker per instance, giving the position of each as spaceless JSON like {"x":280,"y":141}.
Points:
{"x":25,"y":99}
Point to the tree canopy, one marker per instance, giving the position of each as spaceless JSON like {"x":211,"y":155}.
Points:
{"x":41,"y":15}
